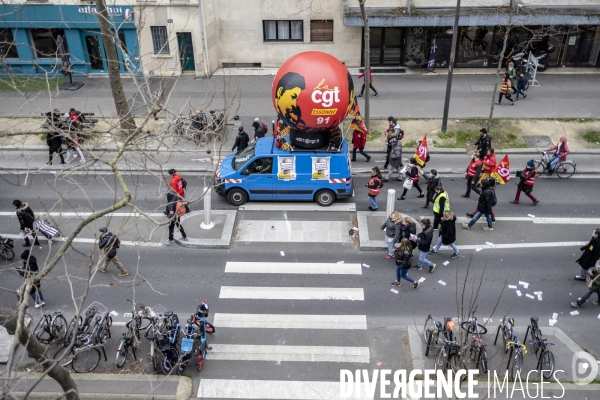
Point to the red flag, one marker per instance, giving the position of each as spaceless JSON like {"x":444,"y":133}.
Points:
{"x":422,"y":152}
{"x":501,"y":173}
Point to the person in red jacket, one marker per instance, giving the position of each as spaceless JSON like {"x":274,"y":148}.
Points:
{"x":527,"y":177}
{"x":471,"y":174}
{"x":176,"y":186}
{"x":362,"y":75}
{"x":562,"y":151}
{"x":489,"y":163}
{"x":359,"y":140}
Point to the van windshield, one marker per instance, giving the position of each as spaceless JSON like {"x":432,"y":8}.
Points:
{"x":243,"y":156}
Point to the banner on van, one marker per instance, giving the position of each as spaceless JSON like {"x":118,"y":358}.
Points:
{"x":321,"y":167}
{"x":287,"y":167}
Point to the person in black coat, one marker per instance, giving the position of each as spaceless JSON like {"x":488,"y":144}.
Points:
{"x":28,"y":268}
{"x":424,"y":244}
{"x":432,"y":182}
{"x":26,"y":217}
{"x":447,"y":234}
{"x":259,"y":131}
{"x":241,"y":141}
{"x":53,"y":138}
{"x":484,"y":143}
{"x":591,"y":254}
{"x":484,"y":207}
{"x":413,"y":174}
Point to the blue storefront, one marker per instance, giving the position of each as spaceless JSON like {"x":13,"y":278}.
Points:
{"x":28,"y":36}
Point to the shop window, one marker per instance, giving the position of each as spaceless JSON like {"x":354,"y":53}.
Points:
{"x":7,"y":44}
{"x":160,"y":39}
{"x":321,"y":31}
{"x":474,"y":44}
{"x":44,"y":42}
{"x":284,"y":31}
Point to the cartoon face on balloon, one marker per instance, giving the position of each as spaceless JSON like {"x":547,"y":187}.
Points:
{"x":312,"y":92}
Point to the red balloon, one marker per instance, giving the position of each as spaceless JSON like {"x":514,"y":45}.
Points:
{"x":312,"y":92}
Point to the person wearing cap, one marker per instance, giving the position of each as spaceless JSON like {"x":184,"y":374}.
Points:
{"x":28,"y":268}
{"x":26,"y":217}
{"x":259,"y":131}
{"x":110,"y":243}
{"x":393,"y":135}
{"x":241,"y":141}
{"x":527,"y":180}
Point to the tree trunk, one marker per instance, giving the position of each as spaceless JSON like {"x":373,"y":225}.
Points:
{"x":367,"y":81}
{"x":508,"y":28}
{"x":123,"y":110}
{"x":37,"y":351}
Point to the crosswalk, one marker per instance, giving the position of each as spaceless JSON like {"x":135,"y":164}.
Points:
{"x":316,"y":349}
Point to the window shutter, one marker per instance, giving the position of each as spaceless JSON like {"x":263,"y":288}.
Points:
{"x":321,"y":31}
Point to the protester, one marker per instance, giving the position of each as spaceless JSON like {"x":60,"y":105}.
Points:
{"x":488,"y":164}
{"x":403,"y":263}
{"x":424,"y":244}
{"x":593,"y":287}
{"x":54,"y":142}
{"x":176,"y":185}
{"x":259,"y":131}
{"x":393,"y":134}
{"x":26,"y":218}
{"x":391,"y":227}
{"x":441,"y":203}
{"x":28,"y":268}
{"x":447,"y":234}
{"x":527,"y":180}
{"x":412,"y":178}
{"x":409,"y":230}
{"x":521,"y":85}
{"x":590,"y":256}
{"x":505,"y":89}
{"x":483,"y":143}
{"x":73,"y":144}
{"x":374,"y":186}
{"x":241,"y":140}
{"x":110,"y":243}
{"x":359,"y":141}
{"x":512,"y":75}
{"x":362,"y":90}
{"x":395,"y":161}
{"x":433,"y":181}
{"x":176,"y":210}
{"x":484,"y":207}
{"x":562,"y":151}
{"x":472,"y":175}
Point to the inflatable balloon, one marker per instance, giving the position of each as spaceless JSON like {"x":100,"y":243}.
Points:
{"x":312,"y":94}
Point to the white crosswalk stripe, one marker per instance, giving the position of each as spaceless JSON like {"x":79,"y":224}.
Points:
{"x":240,"y":352}
{"x":291,"y":293}
{"x":290,"y":321}
{"x":292,"y":268}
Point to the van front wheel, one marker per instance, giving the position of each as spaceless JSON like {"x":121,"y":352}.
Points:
{"x":325,"y":197}
{"x":237,"y":197}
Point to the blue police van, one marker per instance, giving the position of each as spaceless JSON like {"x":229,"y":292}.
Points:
{"x":264,"y":172}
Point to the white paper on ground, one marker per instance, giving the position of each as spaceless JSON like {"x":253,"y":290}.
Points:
{"x":446,"y":262}
{"x":366,"y":265}
{"x":531,"y":215}
{"x":552,"y":322}
{"x":282,"y":254}
{"x":340,"y":262}
{"x":512,"y":287}
{"x":530,"y":296}
{"x":519,"y":293}
{"x":554,"y":315}
{"x":575,"y":312}
{"x":422,"y":279}
{"x":490,"y":244}
{"x":538,"y":292}
{"x":442,"y":283}
{"x":394,"y":291}
{"x":539,"y":297}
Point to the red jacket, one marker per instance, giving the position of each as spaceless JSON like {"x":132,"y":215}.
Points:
{"x":489,"y":162}
{"x":363,"y":74}
{"x":177,"y":185}
{"x":359,"y":139}
{"x":564,"y":150}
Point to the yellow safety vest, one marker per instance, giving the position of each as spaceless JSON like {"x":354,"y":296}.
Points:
{"x":436,"y":203}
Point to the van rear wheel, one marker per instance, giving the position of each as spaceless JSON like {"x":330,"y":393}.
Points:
{"x":237,"y":197}
{"x":325,"y":197}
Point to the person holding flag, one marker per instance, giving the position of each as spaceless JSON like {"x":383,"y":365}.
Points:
{"x":412,"y":179}
{"x":501,"y":172}
{"x":422,"y":154}
{"x":489,"y":164}
{"x":527,"y":177}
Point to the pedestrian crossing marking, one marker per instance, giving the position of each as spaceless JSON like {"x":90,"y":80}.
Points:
{"x":293,"y":231}
{"x":291,"y":293}
{"x":291,"y":321}
{"x":303,"y":206}
{"x":241,"y":352}
{"x":293,"y":268}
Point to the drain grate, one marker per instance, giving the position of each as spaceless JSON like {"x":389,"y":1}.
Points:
{"x":537,"y":141}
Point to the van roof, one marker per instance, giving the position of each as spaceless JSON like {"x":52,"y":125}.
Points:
{"x":265,"y":145}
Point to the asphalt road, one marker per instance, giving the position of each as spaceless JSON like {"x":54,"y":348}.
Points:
{"x":179,"y":278}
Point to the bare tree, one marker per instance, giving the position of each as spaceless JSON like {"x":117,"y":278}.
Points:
{"x":367,"y":82}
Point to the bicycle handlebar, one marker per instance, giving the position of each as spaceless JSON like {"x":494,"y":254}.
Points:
{"x":541,"y":341}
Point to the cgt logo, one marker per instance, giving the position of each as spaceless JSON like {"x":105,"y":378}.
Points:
{"x":324,"y":96}
{"x":584,"y":367}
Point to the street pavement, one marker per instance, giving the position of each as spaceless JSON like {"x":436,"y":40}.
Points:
{"x":402,"y":95}
{"x":285,"y":329}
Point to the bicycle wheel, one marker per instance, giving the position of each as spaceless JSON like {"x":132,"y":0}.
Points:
{"x":210,"y":328}
{"x":547,"y":364}
{"x":454,"y":363}
{"x":200,"y":356}
{"x":86,"y":360}
{"x":517,"y":365}
{"x":440,"y":360}
{"x":64,"y":355}
{"x":144,"y":323}
{"x":540,"y":167}
{"x":123,"y":348}
{"x":185,"y":360}
{"x":43,"y":331}
{"x":565,"y":170}
{"x":430,"y":339}
{"x":505,"y":338}
{"x":428,"y":327}
{"x":467,"y":326}
{"x":59,"y":328}
{"x":7,"y":253}
{"x":483,"y":363}
{"x":169,"y":361}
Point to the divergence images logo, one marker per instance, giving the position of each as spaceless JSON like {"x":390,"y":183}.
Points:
{"x":325,"y":97}
{"x":583,"y":363}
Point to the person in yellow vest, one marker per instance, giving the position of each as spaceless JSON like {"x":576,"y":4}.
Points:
{"x":441,"y":203}
{"x":506,"y":90}
{"x":374,"y":187}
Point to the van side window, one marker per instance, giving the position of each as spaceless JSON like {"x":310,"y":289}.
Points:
{"x":261,"y":166}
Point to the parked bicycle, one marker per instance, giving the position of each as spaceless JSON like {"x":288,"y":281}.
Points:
{"x":536,"y":334}
{"x":131,"y":338}
{"x":434,"y":333}
{"x":6,"y":248}
{"x":545,"y":358}
{"x":478,"y":354}
{"x":156,"y":334}
{"x":448,"y":357}
{"x":199,"y":319}
{"x":517,"y":349}
{"x":169,"y":350}
{"x":563,"y":169}
{"x":472,"y":327}
{"x":51,"y":329}
{"x":506,"y":327}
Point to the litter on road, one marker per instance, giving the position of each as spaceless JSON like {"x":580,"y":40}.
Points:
{"x":446,"y":262}
{"x":512,"y":287}
{"x":519,"y":293}
{"x":394,"y":291}
{"x":575,"y":312}
{"x":442,"y":283}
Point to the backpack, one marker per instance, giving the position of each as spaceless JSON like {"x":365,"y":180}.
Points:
{"x":116,"y":243}
{"x":494,"y":199}
{"x":265,"y":127}
{"x":180,"y":209}
{"x":183,"y":183}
